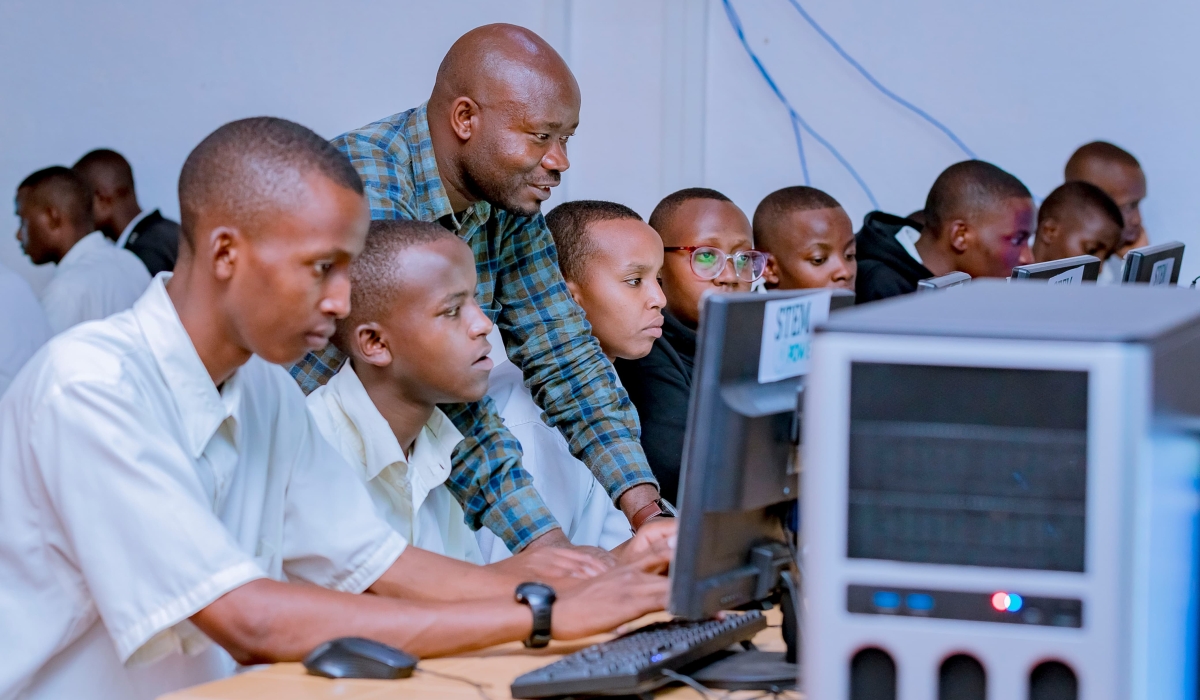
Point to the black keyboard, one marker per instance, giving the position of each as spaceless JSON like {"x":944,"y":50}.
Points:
{"x":633,"y":663}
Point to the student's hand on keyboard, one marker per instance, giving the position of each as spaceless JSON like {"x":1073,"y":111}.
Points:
{"x":548,"y":563}
{"x":614,"y":598}
{"x":657,"y":535}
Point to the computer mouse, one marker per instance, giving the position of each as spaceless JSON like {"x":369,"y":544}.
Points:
{"x":355,"y":657}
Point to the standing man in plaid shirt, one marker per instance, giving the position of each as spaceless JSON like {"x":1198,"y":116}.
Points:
{"x":479,"y":158}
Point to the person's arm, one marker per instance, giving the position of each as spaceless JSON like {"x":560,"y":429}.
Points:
{"x":548,"y":337}
{"x":266,"y":621}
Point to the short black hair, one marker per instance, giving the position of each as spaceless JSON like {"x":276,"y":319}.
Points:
{"x":373,"y":274}
{"x":782,"y":202}
{"x":65,"y":189}
{"x":111,"y":163}
{"x":668,"y":205}
{"x":569,"y":223}
{"x":255,"y":166}
{"x":1077,"y":195}
{"x":966,"y":188}
{"x":1097,"y":151}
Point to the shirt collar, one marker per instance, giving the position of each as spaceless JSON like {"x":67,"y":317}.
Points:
{"x":433,"y":447}
{"x":202,"y":407}
{"x":124,"y":237}
{"x":432,"y":200}
{"x":82,"y":247}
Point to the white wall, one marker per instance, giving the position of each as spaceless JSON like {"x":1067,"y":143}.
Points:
{"x":669,"y":97}
{"x":1022,"y":82}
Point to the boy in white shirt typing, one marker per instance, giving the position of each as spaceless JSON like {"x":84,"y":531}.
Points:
{"x":164,"y":487}
{"x":610,"y":260}
{"x":416,"y":338}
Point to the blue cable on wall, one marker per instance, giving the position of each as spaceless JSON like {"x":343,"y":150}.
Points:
{"x":798,"y":122}
{"x":879,"y":86}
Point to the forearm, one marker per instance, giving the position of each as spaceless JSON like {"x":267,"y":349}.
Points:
{"x":409,"y":578}
{"x":267,"y":621}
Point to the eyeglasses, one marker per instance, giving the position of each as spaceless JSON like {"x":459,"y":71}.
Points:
{"x":708,"y":262}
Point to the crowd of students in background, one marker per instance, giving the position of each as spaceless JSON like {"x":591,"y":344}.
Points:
{"x":511,"y":389}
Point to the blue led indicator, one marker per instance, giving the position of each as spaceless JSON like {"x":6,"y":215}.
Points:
{"x":1015,"y":601}
{"x":886,"y":600}
{"x":920,"y":602}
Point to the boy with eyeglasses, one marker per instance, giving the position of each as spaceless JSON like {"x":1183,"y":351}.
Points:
{"x":709,"y":247}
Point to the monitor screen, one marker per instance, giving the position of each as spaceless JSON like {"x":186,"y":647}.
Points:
{"x":1155,"y":265}
{"x":968,"y":465}
{"x":1076,"y":270}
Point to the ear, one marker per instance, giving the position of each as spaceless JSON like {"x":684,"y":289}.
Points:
{"x":371,"y":344}
{"x":463,"y":113}
{"x":1048,"y":231}
{"x":224,"y":244}
{"x":576,"y":292}
{"x":54,"y":218}
{"x":771,"y":273}
{"x":960,"y":236}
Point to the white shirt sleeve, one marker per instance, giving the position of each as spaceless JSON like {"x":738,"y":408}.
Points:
{"x":333,"y":536}
{"x":134,"y":516}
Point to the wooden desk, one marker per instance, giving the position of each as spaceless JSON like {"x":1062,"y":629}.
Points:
{"x":494,"y":668}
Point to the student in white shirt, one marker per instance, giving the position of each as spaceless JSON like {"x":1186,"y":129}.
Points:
{"x":610,"y":260}
{"x":165,"y":488}
{"x":416,"y":338}
{"x":23,"y":327}
{"x":93,"y":278}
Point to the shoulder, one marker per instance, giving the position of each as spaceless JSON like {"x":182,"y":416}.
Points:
{"x":657,"y":368}
{"x":877,"y":280}
{"x":109,"y":356}
{"x":382,"y":139}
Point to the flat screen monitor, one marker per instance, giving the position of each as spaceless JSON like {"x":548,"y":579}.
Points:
{"x":1155,"y":265}
{"x":1076,"y":270}
{"x":739,"y":474}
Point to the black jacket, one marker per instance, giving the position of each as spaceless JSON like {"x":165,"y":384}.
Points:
{"x":155,"y":240}
{"x":659,"y":385}
{"x":885,"y":269}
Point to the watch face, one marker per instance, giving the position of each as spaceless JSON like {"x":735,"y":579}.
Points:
{"x":535,"y":593}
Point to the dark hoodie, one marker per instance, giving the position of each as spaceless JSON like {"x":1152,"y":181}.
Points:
{"x":885,"y":269}
{"x":659,"y":385}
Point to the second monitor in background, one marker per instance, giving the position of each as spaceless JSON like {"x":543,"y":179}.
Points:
{"x":1155,"y":265}
{"x":1076,"y":270}
{"x":948,"y":281}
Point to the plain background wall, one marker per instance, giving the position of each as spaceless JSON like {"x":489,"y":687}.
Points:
{"x":670,"y":98}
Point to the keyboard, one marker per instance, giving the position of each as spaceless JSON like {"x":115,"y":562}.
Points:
{"x":633,"y":663}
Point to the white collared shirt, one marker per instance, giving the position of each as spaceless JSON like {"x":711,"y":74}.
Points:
{"x":570,"y":491}
{"x":134,"y":494}
{"x":23,"y":327}
{"x":95,"y":279}
{"x":409,"y":492}
{"x":907,"y":237}
{"x":124,"y":237}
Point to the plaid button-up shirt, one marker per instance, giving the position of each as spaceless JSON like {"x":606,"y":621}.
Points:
{"x":544,"y":330}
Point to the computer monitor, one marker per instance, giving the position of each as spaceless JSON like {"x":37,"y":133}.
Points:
{"x":739,"y":476}
{"x":1076,"y":270}
{"x":953,"y":279}
{"x":1155,"y":265}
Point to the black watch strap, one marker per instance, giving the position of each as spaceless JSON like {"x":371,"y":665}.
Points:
{"x":540,"y":599}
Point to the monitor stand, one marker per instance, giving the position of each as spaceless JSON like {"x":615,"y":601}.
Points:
{"x":752,"y":669}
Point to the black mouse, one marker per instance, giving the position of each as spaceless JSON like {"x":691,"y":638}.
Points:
{"x":355,"y":657}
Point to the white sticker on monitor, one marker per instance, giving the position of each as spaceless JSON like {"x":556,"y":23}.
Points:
{"x":1160,"y":274}
{"x":787,"y":335}
{"x":1072,"y":276}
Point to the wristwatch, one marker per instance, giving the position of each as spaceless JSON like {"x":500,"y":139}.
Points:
{"x":540,"y":599}
{"x":658,"y":508}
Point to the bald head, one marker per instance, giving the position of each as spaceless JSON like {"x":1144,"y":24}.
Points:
{"x":500,"y":62}
{"x":249,"y":170}
{"x":1094,"y":155}
{"x":502,"y":108}
{"x":105,"y":170}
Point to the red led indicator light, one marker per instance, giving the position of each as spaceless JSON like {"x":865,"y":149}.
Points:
{"x":1007,"y":602}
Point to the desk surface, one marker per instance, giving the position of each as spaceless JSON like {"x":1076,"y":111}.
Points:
{"x":493,"y":668}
